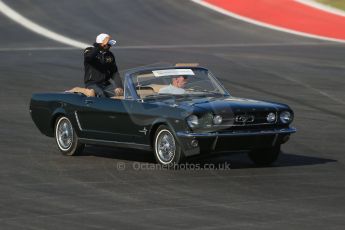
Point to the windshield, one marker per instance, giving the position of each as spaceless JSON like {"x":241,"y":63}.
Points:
{"x":189,"y":81}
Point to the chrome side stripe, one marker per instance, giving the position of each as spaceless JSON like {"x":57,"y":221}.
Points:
{"x":78,"y":122}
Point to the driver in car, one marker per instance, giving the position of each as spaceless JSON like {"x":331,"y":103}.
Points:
{"x":176,"y":86}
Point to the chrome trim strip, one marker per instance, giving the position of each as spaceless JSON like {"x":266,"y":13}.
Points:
{"x":214,"y":143}
{"x":245,"y":125}
{"x":78,"y":122}
{"x":275,"y":140}
{"x":115,"y":143}
{"x":238,"y":133}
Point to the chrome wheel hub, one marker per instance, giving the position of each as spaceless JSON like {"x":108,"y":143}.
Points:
{"x":64,"y":134}
{"x":165,"y":146}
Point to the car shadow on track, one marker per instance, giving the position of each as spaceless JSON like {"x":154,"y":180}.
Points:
{"x":119,"y":154}
{"x":241,"y":160}
{"x":236,"y":160}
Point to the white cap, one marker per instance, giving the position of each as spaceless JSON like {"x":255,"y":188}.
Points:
{"x":100,"y":38}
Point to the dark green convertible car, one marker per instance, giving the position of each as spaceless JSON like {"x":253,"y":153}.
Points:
{"x":175,"y":112}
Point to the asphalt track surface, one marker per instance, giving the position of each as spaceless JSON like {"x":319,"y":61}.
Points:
{"x":41,"y":189}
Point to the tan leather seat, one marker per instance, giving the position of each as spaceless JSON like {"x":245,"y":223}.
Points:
{"x":118,"y":97}
{"x":145,"y":92}
{"x":156,"y":87}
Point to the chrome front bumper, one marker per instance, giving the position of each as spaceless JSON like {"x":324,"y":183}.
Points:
{"x":239,"y":133}
{"x":232,"y":140}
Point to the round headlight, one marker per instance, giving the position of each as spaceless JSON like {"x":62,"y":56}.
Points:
{"x":217,"y":120}
{"x":271,"y":117}
{"x":193,"y":121}
{"x":285,"y":117}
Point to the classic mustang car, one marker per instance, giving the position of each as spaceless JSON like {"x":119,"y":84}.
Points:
{"x":174,"y":111}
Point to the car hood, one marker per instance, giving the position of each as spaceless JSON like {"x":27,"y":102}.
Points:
{"x":226,"y":104}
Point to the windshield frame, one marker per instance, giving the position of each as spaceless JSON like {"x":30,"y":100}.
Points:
{"x":130,"y":91}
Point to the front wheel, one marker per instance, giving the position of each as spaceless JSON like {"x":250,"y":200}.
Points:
{"x":66,"y":138}
{"x":167,"y":151}
{"x":264,"y":157}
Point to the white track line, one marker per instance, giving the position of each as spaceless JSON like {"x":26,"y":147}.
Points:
{"x":323,"y":7}
{"x":198,"y":46}
{"x":37,"y":49}
{"x":262,"y":24}
{"x":224,"y":45}
{"x":27,"y":23}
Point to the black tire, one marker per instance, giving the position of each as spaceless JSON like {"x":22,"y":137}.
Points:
{"x":264,"y":157}
{"x":66,"y":137}
{"x":170,"y":154}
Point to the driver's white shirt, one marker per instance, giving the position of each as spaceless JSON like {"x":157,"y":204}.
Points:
{"x":172,"y":90}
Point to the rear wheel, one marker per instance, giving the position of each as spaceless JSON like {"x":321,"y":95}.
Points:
{"x":264,"y":157}
{"x":166,"y":148}
{"x":66,"y":138}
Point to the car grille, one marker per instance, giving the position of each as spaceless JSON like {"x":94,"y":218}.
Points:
{"x":248,"y":119}
{"x":244,"y":121}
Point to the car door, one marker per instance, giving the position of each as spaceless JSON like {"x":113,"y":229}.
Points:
{"x":106,"y":119}
{"x":142,"y":116}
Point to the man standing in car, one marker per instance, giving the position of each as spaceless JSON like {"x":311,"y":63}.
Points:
{"x":100,"y":67}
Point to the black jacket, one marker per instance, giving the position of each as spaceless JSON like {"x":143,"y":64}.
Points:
{"x":100,"y":66}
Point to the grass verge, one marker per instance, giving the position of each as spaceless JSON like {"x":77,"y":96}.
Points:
{"x":340,"y":4}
